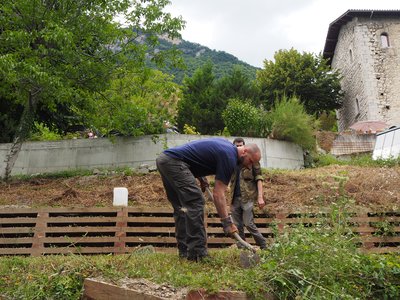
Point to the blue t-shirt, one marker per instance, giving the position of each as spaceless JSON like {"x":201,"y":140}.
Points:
{"x":208,"y":157}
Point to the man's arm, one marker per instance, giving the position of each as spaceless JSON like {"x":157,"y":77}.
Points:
{"x":220,"y":205}
{"x":259,"y":179}
{"x":260,"y":197}
{"x":220,"y":199}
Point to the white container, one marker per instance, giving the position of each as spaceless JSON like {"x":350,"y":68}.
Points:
{"x":120,"y":196}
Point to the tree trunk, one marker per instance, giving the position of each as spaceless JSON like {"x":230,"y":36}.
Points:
{"x":24,"y":129}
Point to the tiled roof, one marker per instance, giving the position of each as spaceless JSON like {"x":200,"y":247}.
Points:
{"x":346,"y":144}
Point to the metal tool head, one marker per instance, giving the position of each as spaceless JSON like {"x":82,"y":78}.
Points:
{"x":249,"y":259}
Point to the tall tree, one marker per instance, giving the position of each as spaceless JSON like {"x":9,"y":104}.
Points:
{"x":306,"y":76}
{"x":64,"y":52}
{"x":199,"y":105}
{"x":205,"y":98}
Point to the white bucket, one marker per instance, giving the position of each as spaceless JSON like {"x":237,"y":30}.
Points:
{"x":120,"y":196}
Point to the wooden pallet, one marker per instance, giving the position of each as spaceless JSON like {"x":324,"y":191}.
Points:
{"x":40,"y":231}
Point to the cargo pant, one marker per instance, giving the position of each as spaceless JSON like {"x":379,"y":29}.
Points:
{"x":243,"y":216}
{"x":188,"y":202}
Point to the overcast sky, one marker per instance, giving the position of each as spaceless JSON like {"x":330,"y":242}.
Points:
{"x":253,"y":30}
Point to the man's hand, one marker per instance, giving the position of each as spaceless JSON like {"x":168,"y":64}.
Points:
{"x":203,"y":183}
{"x":261,"y":202}
{"x":229,"y":227}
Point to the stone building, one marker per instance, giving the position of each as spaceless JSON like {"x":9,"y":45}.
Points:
{"x":365,"y":46}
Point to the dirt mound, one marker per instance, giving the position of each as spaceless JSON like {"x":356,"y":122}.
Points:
{"x":376,"y":188}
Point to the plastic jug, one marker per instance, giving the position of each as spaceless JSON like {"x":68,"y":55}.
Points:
{"x":120,"y":196}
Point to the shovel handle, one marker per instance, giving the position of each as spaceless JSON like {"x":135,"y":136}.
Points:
{"x":243,"y":242}
{"x":236,"y":236}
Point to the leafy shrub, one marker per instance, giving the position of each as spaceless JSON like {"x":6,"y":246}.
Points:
{"x":187,"y":129}
{"x":290,"y":122}
{"x":243,"y":119}
{"x":42,"y":133}
{"x":362,"y":160}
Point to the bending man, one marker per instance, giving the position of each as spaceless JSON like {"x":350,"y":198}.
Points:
{"x":180,"y":166}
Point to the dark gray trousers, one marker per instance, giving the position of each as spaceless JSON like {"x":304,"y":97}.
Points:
{"x":188,"y":203}
{"x":243,"y":216}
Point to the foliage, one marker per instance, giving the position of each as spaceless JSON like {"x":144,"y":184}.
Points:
{"x":327,"y":121}
{"x":290,"y":122}
{"x":59,"y":55}
{"x":195,"y":56}
{"x":42,"y":133}
{"x":305,"y":76}
{"x":362,"y":160}
{"x":205,"y":98}
{"x":243,"y":119}
{"x":187,"y":129}
{"x":136,"y":104}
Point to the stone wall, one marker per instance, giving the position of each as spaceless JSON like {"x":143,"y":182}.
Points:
{"x":48,"y":157}
{"x":371,"y":73}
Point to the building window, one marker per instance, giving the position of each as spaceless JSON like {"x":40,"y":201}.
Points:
{"x":351,"y":55}
{"x":357,"y":108}
{"x":384,"y":40}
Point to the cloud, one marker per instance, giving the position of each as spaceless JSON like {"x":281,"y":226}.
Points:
{"x":254,"y":30}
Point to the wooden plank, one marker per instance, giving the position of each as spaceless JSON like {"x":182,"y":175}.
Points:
{"x":15,"y":251}
{"x":149,"y":239}
{"x":80,"y":239}
{"x":146,"y":229}
{"x":37,"y":244}
{"x":78,"y":250}
{"x":18,"y":220}
{"x":381,"y":239}
{"x":151,"y":220}
{"x":97,"y":290}
{"x":80,"y":229}
{"x":16,"y":230}
{"x":17,"y":240}
{"x":150,"y":210}
{"x":96,"y":219}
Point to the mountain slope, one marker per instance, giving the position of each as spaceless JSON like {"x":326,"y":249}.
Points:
{"x":196,"y":55}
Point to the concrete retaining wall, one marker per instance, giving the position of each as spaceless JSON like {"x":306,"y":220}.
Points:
{"x":48,"y":157}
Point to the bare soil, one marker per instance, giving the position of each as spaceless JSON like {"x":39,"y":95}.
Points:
{"x":366,"y":187}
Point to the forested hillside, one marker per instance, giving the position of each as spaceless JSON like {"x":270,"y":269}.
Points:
{"x":196,"y":55}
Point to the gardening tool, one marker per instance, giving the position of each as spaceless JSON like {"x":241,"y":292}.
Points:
{"x":248,"y":258}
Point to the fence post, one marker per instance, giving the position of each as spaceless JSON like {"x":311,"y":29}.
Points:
{"x":40,"y":233}
{"x":120,"y":233}
{"x":367,"y":233}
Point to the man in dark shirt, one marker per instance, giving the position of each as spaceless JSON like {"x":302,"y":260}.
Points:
{"x":180,"y":166}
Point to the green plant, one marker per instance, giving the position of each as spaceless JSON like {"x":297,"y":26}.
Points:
{"x":362,"y":160}
{"x":42,"y":133}
{"x":290,"y":122}
{"x":187,"y":129}
{"x":243,"y":119}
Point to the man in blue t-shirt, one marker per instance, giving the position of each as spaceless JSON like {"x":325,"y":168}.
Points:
{"x":180,"y":166}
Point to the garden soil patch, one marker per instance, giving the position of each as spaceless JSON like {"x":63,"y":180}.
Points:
{"x":300,"y":190}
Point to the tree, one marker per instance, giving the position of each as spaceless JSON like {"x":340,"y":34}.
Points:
{"x":305,"y":76}
{"x":136,"y":104}
{"x":63,"y":53}
{"x":205,"y":98}
{"x":243,"y":119}
{"x":199,"y":106}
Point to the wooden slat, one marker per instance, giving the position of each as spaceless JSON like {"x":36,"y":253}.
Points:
{"x":81,"y":239}
{"x":149,"y":219}
{"x":149,"y":239}
{"x":146,"y":229}
{"x":18,"y":220}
